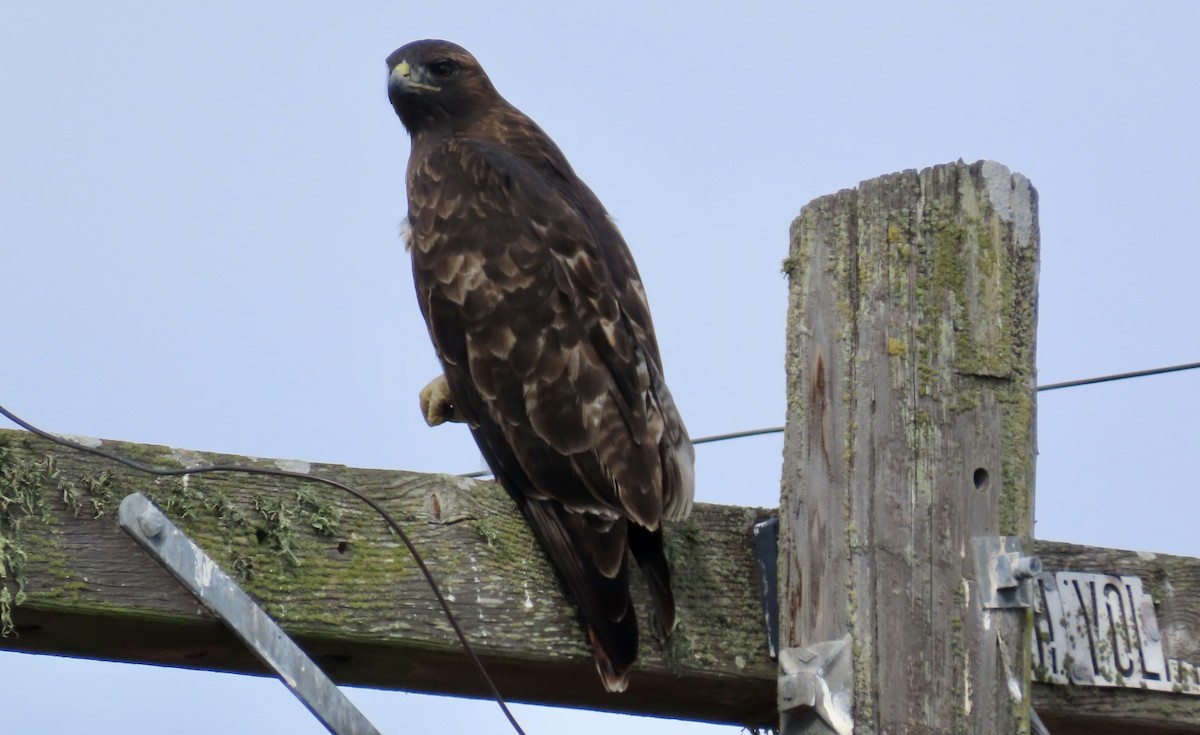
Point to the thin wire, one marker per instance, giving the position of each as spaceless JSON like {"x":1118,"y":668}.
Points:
{"x":1119,"y":376}
{"x":736,"y":435}
{"x":1040,"y":389}
{"x":375,"y":506}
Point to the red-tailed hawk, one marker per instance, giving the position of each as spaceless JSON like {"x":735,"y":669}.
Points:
{"x":538,"y":316}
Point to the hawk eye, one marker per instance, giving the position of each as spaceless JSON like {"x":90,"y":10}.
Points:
{"x":443,"y":69}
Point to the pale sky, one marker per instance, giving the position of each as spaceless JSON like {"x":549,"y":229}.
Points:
{"x":200,"y":206}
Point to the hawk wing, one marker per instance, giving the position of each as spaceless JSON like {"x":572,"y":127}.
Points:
{"x":539,"y":319}
{"x":526,"y":314}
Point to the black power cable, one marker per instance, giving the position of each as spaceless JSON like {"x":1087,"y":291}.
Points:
{"x":375,"y":506}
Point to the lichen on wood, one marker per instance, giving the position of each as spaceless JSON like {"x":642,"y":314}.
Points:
{"x":338,"y":580}
{"x":910,"y":366}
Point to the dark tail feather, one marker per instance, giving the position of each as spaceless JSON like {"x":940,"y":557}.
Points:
{"x":647,"y":548}
{"x":589,"y":553}
{"x":591,"y":557}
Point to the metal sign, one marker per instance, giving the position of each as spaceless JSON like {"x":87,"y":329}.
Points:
{"x":1101,"y":630}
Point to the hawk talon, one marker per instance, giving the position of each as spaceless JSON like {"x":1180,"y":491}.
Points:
{"x":437,"y":406}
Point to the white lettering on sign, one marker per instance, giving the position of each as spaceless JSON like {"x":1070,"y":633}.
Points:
{"x":1101,"y":630}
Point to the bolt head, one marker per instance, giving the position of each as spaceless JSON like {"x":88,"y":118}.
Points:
{"x":1027,"y":567}
{"x":150,"y":523}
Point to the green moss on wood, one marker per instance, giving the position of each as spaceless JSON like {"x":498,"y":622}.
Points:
{"x":253,"y":536}
{"x":923,"y":291}
{"x":24,"y":518}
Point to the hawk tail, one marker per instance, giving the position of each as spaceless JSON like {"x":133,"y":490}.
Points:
{"x":614,"y":677}
{"x":590,"y":554}
{"x":647,"y":548}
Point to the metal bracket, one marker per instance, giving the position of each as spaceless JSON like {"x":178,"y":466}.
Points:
{"x":817,"y":681}
{"x":1003,"y":574}
{"x":230,"y":603}
{"x":766,"y":548}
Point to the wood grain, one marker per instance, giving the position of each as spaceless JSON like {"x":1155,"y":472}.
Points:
{"x":333,"y":576}
{"x":910,"y":431}
{"x":352,"y":599}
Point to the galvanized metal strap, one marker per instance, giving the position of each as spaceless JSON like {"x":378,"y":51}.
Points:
{"x":230,"y":603}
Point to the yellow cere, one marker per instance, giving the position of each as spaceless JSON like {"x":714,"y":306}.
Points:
{"x":404,"y":71}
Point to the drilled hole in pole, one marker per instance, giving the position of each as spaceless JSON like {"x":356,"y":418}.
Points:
{"x":981,"y":479}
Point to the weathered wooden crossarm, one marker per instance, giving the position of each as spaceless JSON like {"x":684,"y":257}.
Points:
{"x":337,"y":580}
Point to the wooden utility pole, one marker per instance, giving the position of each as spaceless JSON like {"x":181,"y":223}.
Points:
{"x":911,"y":433}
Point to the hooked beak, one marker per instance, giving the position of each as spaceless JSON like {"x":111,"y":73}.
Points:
{"x":406,"y":78}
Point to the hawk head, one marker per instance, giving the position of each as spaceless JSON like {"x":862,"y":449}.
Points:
{"x":434,"y":84}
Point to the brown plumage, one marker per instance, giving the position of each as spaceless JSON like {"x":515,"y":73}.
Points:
{"x":539,"y":319}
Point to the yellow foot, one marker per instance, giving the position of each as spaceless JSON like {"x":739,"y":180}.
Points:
{"x":436,"y":404}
